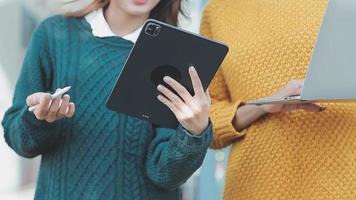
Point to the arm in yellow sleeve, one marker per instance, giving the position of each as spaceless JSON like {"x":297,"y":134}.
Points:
{"x":223,"y":112}
{"x":223,"y":109}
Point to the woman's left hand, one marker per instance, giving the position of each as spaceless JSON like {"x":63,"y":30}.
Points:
{"x":191,"y":111}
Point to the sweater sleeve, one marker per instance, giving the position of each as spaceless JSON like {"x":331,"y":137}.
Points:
{"x":174,"y":155}
{"x":223,"y":109}
{"x":26,"y":135}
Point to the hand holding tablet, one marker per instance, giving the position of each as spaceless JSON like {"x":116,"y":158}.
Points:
{"x":192,"y":111}
{"x":163,"y":51}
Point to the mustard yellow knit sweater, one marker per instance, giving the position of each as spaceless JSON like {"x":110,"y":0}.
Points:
{"x":295,"y":155}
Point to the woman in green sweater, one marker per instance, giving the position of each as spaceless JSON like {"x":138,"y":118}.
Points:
{"x":88,"y":151}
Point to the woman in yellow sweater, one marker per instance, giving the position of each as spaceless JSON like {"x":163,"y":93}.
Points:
{"x":277,"y":154}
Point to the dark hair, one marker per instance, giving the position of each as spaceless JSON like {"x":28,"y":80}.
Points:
{"x":166,"y":10}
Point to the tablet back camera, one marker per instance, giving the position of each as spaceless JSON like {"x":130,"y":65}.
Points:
{"x":153,"y":29}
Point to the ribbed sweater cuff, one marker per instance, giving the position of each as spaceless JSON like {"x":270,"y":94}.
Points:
{"x":222,"y":117}
{"x":192,"y":142}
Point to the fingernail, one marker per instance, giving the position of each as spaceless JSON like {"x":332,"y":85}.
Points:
{"x":166,"y":78}
{"x":192,"y":69}
{"x":159,"y":87}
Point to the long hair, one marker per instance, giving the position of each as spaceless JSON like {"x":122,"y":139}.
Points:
{"x":166,"y":10}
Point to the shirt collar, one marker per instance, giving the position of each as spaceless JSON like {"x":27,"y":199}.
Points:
{"x":100,"y":28}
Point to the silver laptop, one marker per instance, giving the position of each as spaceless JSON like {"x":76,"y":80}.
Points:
{"x":332,"y":70}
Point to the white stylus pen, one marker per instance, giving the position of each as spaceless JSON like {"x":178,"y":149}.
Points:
{"x":54,"y":96}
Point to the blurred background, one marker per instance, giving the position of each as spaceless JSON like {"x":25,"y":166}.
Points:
{"x":18,"y":18}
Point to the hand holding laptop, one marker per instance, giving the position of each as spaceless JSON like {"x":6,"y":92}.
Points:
{"x":331,"y":71}
{"x":293,"y":88}
{"x":247,"y":114}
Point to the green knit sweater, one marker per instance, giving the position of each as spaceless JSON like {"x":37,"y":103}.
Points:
{"x":97,"y":154}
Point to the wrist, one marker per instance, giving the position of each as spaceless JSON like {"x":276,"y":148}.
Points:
{"x":199,"y":131}
{"x":267,"y":109}
{"x":263,"y":109}
{"x":196,"y":133}
{"x":245,"y":115}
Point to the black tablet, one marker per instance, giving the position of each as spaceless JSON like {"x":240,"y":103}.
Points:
{"x":162,"y":50}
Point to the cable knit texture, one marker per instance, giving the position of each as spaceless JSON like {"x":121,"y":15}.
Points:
{"x":97,"y":154}
{"x":295,"y":155}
